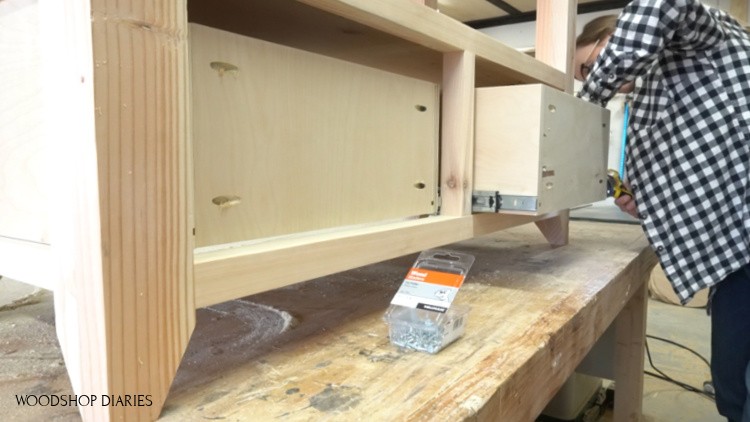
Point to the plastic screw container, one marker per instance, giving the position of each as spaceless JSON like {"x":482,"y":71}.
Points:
{"x":425,"y":331}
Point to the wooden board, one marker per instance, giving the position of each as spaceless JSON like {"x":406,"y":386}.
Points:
{"x":304,"y":142}
{"x":457,"y":134}
{"x":536,"y":311}
{"x":555,"y":37}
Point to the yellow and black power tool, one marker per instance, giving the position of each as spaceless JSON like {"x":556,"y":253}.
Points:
{"x":615,"y":187}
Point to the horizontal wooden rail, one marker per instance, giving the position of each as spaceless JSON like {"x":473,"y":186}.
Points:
{"x":232,"y":271}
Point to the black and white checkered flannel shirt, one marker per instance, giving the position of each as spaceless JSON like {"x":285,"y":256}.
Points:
{"x":688,"y":152}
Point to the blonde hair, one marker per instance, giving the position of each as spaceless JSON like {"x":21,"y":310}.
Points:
{"x":596,"y":30}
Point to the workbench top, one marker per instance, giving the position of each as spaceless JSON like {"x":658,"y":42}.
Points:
{"x":319,"y":350}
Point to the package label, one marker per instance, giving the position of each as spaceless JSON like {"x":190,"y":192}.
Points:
{"x":428,"y":289}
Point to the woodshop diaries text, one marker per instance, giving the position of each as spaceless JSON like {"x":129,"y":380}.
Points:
{"x":139,"y":400}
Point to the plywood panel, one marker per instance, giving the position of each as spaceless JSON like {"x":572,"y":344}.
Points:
{"x":295,"y":141}
{"x":23,"y":169}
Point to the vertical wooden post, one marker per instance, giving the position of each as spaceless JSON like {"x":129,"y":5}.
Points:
{"x":555,"y":45}
{"x":457,"y":127}
{"x":630,"y":334}
{"x":555,"y":36}
{"x":122,"y":221}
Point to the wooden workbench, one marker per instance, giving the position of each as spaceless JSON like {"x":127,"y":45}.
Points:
{"x":536,"y":312}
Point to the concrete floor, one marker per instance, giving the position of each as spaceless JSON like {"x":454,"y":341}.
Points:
{"x":32,"y":363}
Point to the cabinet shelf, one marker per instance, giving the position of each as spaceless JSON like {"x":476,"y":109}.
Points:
{"x":397,"y":36}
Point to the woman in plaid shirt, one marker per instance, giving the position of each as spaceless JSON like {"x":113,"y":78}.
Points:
{"x":688,"y":158}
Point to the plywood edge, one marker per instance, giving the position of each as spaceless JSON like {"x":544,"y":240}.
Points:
{"x":29,"y":262}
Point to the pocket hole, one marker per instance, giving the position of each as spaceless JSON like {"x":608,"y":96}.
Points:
{"x":226,"y":201}
{"x":223,"y":67}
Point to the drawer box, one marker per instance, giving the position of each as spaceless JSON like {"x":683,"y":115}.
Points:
{"x":538,"y":150}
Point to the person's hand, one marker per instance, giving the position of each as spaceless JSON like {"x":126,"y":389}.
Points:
{"x":627,"y":88}
{"x":627,"y":203}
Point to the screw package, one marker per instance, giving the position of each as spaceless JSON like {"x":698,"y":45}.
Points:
{"x":426,"y":331}
{"x":420,"y":316}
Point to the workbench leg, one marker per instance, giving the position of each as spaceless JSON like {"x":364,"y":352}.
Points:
{"x":116,"y":93}
{"x":630,"y":326}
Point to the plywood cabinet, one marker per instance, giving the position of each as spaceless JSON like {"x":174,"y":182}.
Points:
{"x":538,"y":149}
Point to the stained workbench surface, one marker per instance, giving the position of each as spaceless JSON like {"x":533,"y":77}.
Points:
{"x":320,"y":350}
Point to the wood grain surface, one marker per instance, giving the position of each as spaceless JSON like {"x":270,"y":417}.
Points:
{"x":536,"y":311}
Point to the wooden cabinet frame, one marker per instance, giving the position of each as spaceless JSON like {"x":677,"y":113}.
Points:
{"x":120,"y":254}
